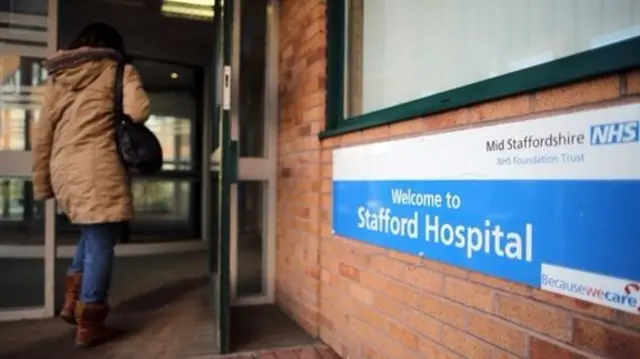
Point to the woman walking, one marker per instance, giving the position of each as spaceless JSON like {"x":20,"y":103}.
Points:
{"x":77,"y":163}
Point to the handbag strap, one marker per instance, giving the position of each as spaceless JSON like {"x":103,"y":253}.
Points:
{"x":117,"y":90}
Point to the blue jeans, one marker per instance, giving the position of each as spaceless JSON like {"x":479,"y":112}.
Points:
{"x":94,"y":258}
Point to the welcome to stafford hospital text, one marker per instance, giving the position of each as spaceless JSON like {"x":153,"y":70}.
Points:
{"x":488,"y":237}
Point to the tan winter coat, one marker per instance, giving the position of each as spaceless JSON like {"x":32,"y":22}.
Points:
{"x":74,"y":150}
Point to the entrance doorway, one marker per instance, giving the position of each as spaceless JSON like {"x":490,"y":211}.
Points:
{"x":36,"y":239}
{"x":219,"y":190}
{"x":28,"y":32}
{"x":243,"y":253}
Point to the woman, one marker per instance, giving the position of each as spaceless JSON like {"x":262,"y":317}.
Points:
{"x":77,"y":163}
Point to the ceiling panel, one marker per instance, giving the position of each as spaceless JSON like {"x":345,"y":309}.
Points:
{"x":158,"y":75}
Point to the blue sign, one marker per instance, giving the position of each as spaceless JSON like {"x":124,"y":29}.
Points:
{"x":540,"y":202}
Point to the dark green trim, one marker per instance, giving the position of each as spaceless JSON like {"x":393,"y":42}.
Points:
{"x":222,"y":282}
{"x":213,"y":135}
{"x":170,"y":175}
{"x":335,"y":63}
{"x":232,"y":167}
{"x":224,"y":279}
{"x":605,"y":60}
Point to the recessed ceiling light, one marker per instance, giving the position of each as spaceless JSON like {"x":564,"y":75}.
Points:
{"x":174,"y":75}
{"x":195,"y":9}
{"x":208,"y":3}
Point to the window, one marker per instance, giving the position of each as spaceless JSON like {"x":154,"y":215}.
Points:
{"x":174,"y":95}
{"x":13,"y":201}
{"x":165,"y":199}
{"x":174,"y":135}
{"x":29,"y":7}
{"x":394,"y":60}
{"x":167,"y":204}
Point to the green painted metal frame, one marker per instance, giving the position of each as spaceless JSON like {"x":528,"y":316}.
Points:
{"x":227,"y":176}
{"x":609,"y":59}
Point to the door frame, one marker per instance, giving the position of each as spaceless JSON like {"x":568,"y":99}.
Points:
{"x":220,"y":162}
{"x":262,"y":169}
{"x":18,"y":164}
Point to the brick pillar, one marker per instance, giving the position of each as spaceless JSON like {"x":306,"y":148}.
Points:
{"x":302,"y":75}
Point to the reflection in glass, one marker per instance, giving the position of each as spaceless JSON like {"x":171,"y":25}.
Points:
{"x":21,"y":223}
{"x":22,"y":47}
{"x":160,"y":200}
{"x":250,"y":263}
{"x":167,"y":204}
{"x":14,"y":203}
{"x":252,"y":78}
{"x":163,"y":210}
{"x":28,"y":7}
{"x":389,"y":61}
{"x":162,"y":213}
{"x":13,"y":122}
{"x":21,"y":96}
{"x":174,"y":110}
{"x":174,"y":135}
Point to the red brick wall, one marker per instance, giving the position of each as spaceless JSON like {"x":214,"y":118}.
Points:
{"x":368,"y":302}
{"x":302,"y":73}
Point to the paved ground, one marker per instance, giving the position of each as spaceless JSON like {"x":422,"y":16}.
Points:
{"x":308,"y":352}
{"x":162,"y":304}
{"x":180,"y":329}
{"x":22,"y":280}
{"x":151,"y":329}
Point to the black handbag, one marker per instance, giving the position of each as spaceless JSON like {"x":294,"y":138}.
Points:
{"x":138,"y":147}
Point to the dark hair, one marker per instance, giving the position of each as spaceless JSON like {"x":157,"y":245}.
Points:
{"x":99,"y":35}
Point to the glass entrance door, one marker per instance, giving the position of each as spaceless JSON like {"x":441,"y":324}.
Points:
{"x":225,"y":175}
{"x":244,"y":159}
{"x":254,"y":123}
{"x":28,"y":32}
{"x":167,"y":203}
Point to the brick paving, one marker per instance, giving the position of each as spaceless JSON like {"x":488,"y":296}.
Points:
{"x":310,"y":352}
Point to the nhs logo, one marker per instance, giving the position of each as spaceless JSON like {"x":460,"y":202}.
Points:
{"x":615,"y":133}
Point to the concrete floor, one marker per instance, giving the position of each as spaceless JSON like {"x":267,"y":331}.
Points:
{"x":22,"y":280}
{"x":35,"y":235}
{"x":162,"y":304}
{"x":179,"y":327}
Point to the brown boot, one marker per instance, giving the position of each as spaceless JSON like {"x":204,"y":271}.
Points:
{"x":73,"y":284}
{"x":91,"y":330}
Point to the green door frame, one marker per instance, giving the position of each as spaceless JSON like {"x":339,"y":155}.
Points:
{"x":227,"y":175}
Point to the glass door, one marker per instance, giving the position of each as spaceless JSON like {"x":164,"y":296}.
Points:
{"x":167,"y":204}
{"x":28,"y":32}
{"x":225,"y":169}
{"x":243,"y":245}
{"x":254,"y":120}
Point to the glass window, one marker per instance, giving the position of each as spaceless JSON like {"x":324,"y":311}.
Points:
{"x":161,"y":200}
{"x":21,"y":97}
{"x":173,"y":95}
{"x":164,"y":211}
{"x":12,"y":125}
{"x":15,"y":203}
{"x":250,"y":263}
{"x":174,"y":134}
{"x":167,"y":205}
{"x":28,"y":7}
{"x":253,"y":56}
{"x":22,"y":46}
{"x":399,"y":51}
{"x":21,"y":223}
